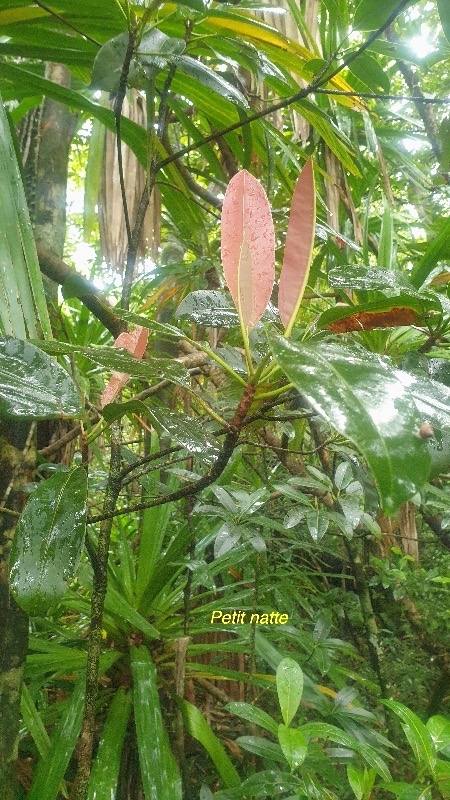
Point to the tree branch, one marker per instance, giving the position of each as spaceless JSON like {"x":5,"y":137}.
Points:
{"x":56,"y":269}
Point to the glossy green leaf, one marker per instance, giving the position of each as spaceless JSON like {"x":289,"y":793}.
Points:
{"x":254,"y":715}
{"x":119,"y":607}
{"x":215,"y":308}
{"x":289,"y":688}
{"x":51,"y":770}
{"x":439,"y":728}
{"x":369,"y":15}
{"x":317,"y":524}
{"x":359,"y":276}
{"x":209,"y":307}
{"x":49,"y":540}
{"x":108,"y":64}
{"x":187,"y":431}
{"x":367,"y":70}
{"x":198,"y":727}
{"x":159,"y":770}
{"x":356,"y":780}
{"x":418,"y":736}
{"x":106,"y":767}
{"x":323,"y":730}
{"x":155,"y":48}
{"x":361,"y":396}
{"x":294,"y":745}
{"x":118,"y":359}
{"x":261,"y":747}
{"x":32,"y":385}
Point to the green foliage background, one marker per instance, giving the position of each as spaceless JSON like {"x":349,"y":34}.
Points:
{"x":306,"y":475}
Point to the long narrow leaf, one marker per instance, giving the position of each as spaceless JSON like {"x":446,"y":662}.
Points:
{"x":298,"y":249}
{"x":198,"y":728}
{"x":23,"y":307}
{"x":105,"y":771}
{"x":159,"y":771}
{"x":50,"y":771}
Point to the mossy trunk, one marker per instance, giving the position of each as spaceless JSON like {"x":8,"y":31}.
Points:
{"x":16,"y":465}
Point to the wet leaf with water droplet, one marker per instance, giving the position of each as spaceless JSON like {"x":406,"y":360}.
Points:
{"x":289,"y":688}
{"x":366,"y":399}
{"x":33,"y":385}
{"x":48,"y":542}
{"x":248,"y":246}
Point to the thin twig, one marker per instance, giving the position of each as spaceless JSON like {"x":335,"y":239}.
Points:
{"x":97,"y":607}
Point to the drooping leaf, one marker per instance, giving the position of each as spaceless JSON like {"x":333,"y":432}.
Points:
{"x":317,"y":524}
{"x":159,"y":770}
{"x":33,"y":385}
{"x":49,"y":539}
{"x":118,"y":360}
{"x":108,"y":64}
{"x":361,"y":396}
{"x":209,"y":78}
{"x":248,"y":246}
{"x":289,"y":688}
{"x":198,"y":727}
{"x":261,"y":747}
{"x":419,"y":737}
{"x":51,"y":770}
{"x":254,"y":715}
{"x":356,"y":779}
{"x":294,"y":745}
{"x":299,"y":246}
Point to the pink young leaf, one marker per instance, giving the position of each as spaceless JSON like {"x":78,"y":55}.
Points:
{"x":299,"y":247}
{"x":135,"y":342}
{"x":248,"y":246}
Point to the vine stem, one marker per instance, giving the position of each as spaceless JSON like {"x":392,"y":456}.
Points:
{"x":81,"y":783}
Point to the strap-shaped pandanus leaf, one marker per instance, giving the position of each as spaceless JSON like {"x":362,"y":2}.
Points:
{"x":298,"y":249}
{"x":248,"y":247}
